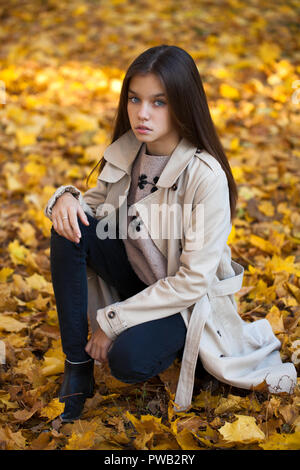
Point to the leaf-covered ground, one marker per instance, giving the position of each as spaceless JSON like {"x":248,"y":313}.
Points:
{"x":61,"y":69}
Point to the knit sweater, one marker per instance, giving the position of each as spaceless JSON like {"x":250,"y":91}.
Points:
{"x":145,"y":258}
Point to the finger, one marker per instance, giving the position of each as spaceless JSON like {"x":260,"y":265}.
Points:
{"x":83,"y":216}
{"x":96,"y":352}
{"x":59,"y":226}
{"x":74,"y":224}
{"x":91,"y":353}
{"x":104,"y":355}
{"x":103,"y":359}
{"x":88,"y":347}
{"x":54,"y":223}
{"x":68,"y":230}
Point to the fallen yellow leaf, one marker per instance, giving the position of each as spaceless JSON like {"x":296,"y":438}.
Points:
{"x":282,"y":442}
{"x":9,"y":323}
{"x":187,"y":441}
{"x":52,"y":366}
{"x":5,"y":273}
{"x":275,"y":319}
{"x":231,"y":403}
{"x":18,"y":253}
{"x":242,"y":431}
{"x":53,"y":409}
{"x":12,"y":440}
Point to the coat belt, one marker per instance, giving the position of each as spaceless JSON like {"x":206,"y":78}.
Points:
{"x":200,"y":313}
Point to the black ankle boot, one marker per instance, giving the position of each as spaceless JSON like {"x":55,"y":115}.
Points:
{"x":78,"y":384}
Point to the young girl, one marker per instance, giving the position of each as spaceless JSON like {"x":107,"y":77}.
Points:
{"x":152,"y":292}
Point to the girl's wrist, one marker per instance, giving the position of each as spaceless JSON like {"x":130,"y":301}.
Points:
{"x":59,"y":192}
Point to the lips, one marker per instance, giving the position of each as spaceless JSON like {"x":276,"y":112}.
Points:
{"x":144,"y":127}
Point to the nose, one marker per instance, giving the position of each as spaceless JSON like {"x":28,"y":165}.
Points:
{"x":143,"y":112}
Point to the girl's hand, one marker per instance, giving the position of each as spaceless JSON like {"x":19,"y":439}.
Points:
{"x":98,"y":346}
{"x":64,"y":217}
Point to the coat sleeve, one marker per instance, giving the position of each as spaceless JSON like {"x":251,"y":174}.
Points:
{"x":197,"y":268}
{"x":89,"y":201}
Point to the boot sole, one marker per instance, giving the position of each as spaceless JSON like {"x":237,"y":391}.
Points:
{"x":69,"y":420}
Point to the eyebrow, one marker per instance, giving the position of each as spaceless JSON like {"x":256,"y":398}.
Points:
{"x":154,"y":96}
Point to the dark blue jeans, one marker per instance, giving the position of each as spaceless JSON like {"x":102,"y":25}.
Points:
{"x":138,"y":353}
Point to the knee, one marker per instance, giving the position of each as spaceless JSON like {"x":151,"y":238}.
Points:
{"x":125,"y":365}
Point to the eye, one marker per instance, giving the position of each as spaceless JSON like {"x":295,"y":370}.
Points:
{"x":131,"y":98}
{"x":159,"y":101}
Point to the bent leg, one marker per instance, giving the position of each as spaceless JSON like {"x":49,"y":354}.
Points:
{"x":145,"y":350}
{"x":69,"y":278}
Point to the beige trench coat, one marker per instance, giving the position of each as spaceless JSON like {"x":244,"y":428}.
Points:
{"x":201,"y":277}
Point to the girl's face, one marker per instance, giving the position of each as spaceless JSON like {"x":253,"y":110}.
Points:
{"x":147,"y":106}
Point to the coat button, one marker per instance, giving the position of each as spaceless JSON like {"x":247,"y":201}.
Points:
{"x":174,"y":187}
{"x":111,"y":314}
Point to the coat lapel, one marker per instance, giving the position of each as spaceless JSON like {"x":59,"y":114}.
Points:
{"x":123,"y":151}
{"x":121,"y":155}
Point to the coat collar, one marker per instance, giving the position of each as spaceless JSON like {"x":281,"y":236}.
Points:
{"x":123,"y":151}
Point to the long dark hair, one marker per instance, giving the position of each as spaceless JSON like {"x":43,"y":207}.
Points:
{"x":188,"y":104}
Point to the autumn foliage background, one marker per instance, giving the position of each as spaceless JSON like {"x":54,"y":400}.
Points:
{"x":61,"y":69}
